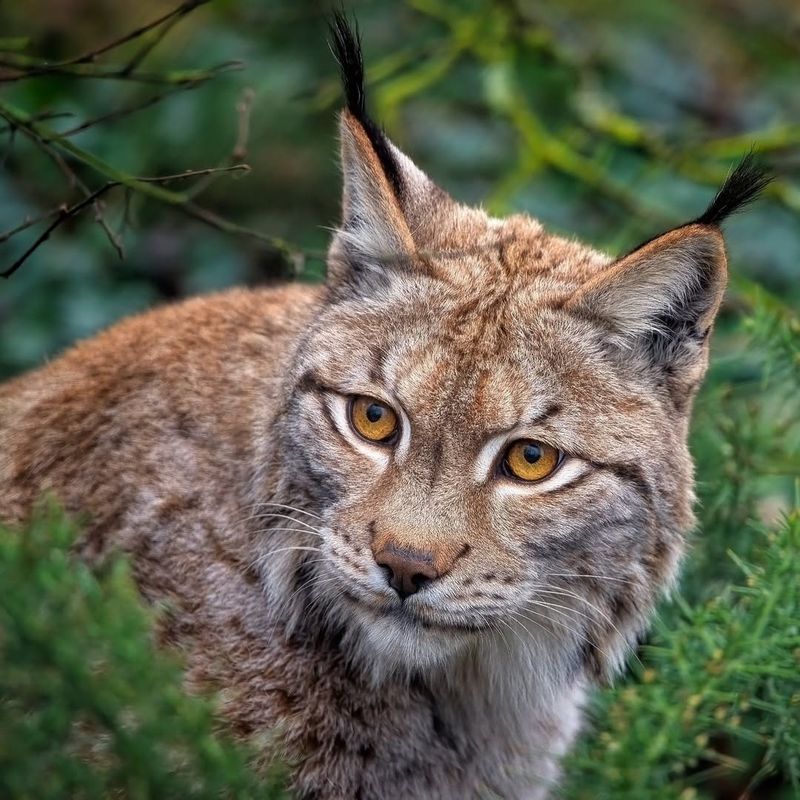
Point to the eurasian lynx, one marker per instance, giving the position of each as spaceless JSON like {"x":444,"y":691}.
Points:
{"x":406,"y":518}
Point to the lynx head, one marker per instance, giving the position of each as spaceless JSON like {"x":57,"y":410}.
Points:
{"x":489,"y":422}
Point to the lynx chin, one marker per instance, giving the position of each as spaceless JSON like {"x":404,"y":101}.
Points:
{"x":403,"y":520}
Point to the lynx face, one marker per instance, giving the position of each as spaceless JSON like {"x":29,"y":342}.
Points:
{"x":490,"y":421}
{"x":515,"y":474}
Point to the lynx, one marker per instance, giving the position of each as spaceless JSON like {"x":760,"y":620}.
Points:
{"x":404,"y":520}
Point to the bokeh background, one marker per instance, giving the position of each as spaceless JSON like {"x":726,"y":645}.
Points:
{"x":609,"y":120}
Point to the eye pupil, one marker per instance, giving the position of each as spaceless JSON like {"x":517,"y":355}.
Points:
{"x":532,"y":453}
{"x":374,"y":412}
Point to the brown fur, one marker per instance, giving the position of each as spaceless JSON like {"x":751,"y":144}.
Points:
{"x":210,"y":441}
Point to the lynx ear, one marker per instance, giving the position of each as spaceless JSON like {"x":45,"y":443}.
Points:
{"x":385,"y":195}
{"x":373,"y":219}
{"x":667,"y":290}
{"x":660,"y":301}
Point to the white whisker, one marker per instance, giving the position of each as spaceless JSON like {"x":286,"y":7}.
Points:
{"x":591,"y":575}
{"x":276,"y":515}
{"x":558,"y":591}
{"x":304,"y":531}
{"x":573,"y":631}
{"x":295,"y":547}
{"x":288,"y":507}
{"x":520,"y":616}
{"x":508,"y":625}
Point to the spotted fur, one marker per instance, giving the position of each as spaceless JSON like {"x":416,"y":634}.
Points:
{"x":210,"y":441}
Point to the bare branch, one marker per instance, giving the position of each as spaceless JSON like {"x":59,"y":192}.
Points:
{"x":166,"y":25}
{"x":194,"y":173}
{"x":69,"y":157}
{"x":31,"y":68}
{"x":63,"y":214}
{"x":30,"y":222}
{"x":169,"y":18}
{"x":244,"y":108}
{"x":128,"y":110}
{"x":42,"y":116}
{"x":239,"y":151}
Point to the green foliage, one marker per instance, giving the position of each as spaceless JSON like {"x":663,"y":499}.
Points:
{"x":718,"y":702}
{"x":88,"y":707}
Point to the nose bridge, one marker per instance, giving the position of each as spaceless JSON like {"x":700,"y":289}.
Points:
{"x":422,"y":526}
{"x":413,"y":558}
{"x":438,"y":464}
{"x":419,"y":533}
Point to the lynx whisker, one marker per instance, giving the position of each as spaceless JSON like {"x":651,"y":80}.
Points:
{"x":592,"y":575}
{"x":511,"y":628}
{"x":277,"y":515}
{"x":313,"y":580}
{"x":286,"y":506}
{"x":265,"y":516}
{"x":559,"y":591}
{"x":521,"y":617}
{"x":574,"y":631}
{"x":300,"y":531}
{"x":293,"y":548}
{"x":564,"y":593}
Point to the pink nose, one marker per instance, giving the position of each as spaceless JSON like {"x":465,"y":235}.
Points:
{"x":407,"y":570}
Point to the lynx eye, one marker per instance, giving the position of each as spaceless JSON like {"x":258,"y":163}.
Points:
{"x":529,"y":460}
{"x":372,"y":419}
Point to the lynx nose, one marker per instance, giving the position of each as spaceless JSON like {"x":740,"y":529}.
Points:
{"x":407,"y":570}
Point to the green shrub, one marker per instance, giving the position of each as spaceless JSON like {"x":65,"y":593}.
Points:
{"x":717,"y":700}
{"x":88,"y":707}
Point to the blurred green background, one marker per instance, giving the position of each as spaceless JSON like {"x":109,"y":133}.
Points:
{"x":610,"y":121}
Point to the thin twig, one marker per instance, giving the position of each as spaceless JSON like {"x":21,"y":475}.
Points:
{"x":27,"y":68}
{"x":30,"y":222}
{"x":64,"y":213}
{"x":90,"y":57}
{"x":44,"y":116}
{"x":194,"y":173}
{"x":163,"y":30}
{"x":243,"y":108}
{"x":239,"y":152}
{"x":125,"y":111}
{"x":292,"y":253}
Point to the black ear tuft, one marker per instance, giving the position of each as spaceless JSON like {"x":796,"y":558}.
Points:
{"x":741,"y":187}
{"x":345,"y":42}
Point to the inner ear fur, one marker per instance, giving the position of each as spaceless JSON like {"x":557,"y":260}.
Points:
{"x":659,"y":302}
{"x":372,"y":217}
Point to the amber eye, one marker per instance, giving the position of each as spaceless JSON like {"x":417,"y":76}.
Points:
{"x":372,"y":419}
{"x":528,"y":460}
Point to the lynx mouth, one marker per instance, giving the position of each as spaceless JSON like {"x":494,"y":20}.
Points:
{"x":406,"y":616}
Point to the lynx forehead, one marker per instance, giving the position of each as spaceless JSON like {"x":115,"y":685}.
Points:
{"x":407,"y":518}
